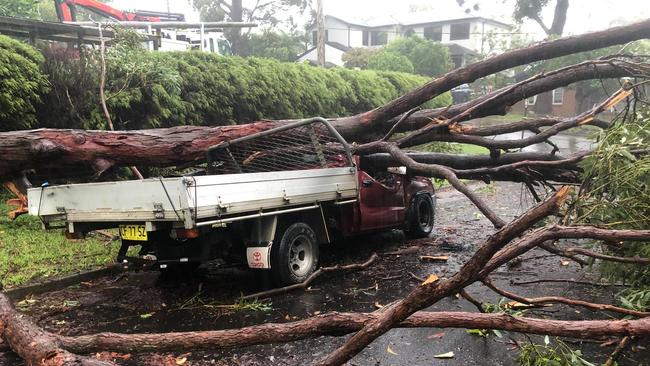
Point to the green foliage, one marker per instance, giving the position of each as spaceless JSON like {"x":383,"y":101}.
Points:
{"x":548,"y":354}
{"x":634,"y":299}
{"x":358,"y":57}
{"x":528,"y":9}
{"x":279,"y":46}
{"x":428,"y":58}
{"x":147,"y":90}
{"x":21,"y":84}
{"x":410,"y":54}
{"x":390,"y":61}
{"x":19,"y":8}
{"x":616,"y":192}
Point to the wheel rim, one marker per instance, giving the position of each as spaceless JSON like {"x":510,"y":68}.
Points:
{"x":424,"y":215}
{"x":301,"y":256}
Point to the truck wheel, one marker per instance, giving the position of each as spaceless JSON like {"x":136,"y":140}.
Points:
{"x":295,"y":257}
{"x":420,"y":222}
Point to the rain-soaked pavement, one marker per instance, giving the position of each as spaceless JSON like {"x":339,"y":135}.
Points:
{"x":140,"y":302}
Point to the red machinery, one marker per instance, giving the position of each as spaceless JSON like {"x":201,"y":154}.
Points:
{"x":66,"y":11}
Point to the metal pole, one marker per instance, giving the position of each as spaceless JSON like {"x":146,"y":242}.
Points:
{"x":320,"y":22}
{"x":202,"y":36}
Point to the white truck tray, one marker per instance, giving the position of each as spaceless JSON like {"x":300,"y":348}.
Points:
{"x":191,"y":199}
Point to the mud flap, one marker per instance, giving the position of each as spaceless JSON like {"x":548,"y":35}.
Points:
{"x":259,"y":257}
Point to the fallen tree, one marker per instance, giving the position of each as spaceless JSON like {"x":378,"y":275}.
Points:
{"x":374,"y":132}
{"x":101,"y":150}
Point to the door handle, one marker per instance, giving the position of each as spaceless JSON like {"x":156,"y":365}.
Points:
{"x":367,"y":183}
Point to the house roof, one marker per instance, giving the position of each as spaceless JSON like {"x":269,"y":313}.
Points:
{"x":415,"y":19}
{"x":336,"y":45}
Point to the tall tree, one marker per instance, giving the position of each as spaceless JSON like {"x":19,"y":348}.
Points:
{"x":532,"y":9}
{"x":262,"y":12}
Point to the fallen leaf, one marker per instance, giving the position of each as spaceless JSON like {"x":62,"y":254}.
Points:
{"x":431,"y":279}
{"x":390,"y":350}
{"x":181,"y":361}
{"x":517,"y":305}
{"x":71,"y":303}
{"x":445,"y":355}
{"x":436,"y":335}
{"x":146,"y":316}
{"x":442,"y":258}
{"x":316,"y":312}
{"x":565,"y":263}
{"x":378,"y":305}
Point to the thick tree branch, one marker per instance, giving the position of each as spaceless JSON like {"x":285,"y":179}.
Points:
{"x":541,"y":51}
{"x":427,"y":294}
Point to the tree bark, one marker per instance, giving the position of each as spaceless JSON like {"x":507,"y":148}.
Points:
{"x":63,"y":152}
{"x":39,"y":347}
{"x":33,"y":344}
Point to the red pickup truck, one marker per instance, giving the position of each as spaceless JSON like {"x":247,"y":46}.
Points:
{"x":268,"y":200}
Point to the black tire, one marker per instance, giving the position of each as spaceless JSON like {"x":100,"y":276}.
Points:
{"x":421,"y":216}
{"x":294,"y":257}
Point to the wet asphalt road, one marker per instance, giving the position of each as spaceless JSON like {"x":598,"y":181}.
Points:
{"x":140,"y":302}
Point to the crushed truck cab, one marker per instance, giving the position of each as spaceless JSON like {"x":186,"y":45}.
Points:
{"x":267,"y":201}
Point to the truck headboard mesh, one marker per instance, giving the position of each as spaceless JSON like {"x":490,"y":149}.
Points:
{"x":310,"y":144}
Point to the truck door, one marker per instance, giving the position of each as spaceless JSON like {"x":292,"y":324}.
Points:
{"x":381,"y":200}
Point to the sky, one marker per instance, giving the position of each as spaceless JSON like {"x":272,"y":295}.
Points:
{"x":583,"y":16}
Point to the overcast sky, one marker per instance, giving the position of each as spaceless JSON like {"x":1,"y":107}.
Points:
{"x":584,"y":15}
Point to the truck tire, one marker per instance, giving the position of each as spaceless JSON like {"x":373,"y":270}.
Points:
{"x":421,"y":216}
{"x":294,"y":257}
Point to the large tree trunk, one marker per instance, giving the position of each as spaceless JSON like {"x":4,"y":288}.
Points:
{"x":42,"y":348}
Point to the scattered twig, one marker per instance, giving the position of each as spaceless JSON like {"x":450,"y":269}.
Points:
{"x":416,"y":277}
{"x":310,"y":279}
{"x":405,"y":251}
{"x":563,"y":300}
{"x":567,"y":281}
{"x":611,"y":258}
{"x":617,"y":351}
{"x":465,"y":295}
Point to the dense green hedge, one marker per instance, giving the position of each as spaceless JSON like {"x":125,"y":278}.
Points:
{"x":146,"y":90}
{"x":21,"y":84}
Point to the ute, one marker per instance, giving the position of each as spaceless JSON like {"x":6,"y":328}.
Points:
{"x":267,"y":200}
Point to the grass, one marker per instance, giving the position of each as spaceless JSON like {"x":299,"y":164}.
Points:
{"x":472,"y":149}
{"x":29,"y":254}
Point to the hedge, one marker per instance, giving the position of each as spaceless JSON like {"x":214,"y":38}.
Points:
{"x":148,"y":90}
{"x":21,"y":84}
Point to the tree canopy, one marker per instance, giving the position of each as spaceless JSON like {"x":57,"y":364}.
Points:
{"x":390,"y":61}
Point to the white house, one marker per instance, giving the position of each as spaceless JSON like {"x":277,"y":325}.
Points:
{"x":466,"y":35}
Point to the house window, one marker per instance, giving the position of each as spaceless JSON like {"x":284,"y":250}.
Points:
{"x":379,"y":38}
{"x":211,"y":45}
{"x":433,"y":33}
{"x":457,"y":60}
{"x":558,"y":96}
{"x":366,"y":38}
{"x":531,"y":101}
{"x":459,"y":31}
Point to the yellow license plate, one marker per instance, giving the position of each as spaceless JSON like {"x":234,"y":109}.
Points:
{"x":133,"y":232}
